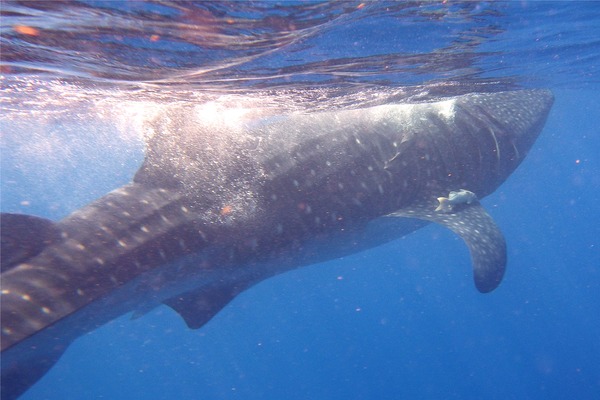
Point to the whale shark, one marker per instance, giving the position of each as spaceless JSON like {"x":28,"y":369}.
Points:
{"x":215,"y":209}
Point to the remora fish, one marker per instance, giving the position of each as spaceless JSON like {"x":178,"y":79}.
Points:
{"x":213,"y":211}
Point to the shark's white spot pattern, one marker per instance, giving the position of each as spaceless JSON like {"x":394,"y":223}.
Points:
{"x":361,"y":176}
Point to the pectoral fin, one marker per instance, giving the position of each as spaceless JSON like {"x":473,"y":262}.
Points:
{"x":479,"y":231}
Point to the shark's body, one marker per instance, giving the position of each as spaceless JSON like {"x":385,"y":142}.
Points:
{"x":214,"y":210}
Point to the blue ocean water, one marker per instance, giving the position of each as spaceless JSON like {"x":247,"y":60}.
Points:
{"x":399,"y":321}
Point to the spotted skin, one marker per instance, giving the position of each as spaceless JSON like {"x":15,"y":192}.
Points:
{"x":479,"y":231}
{"x":217,"y":208}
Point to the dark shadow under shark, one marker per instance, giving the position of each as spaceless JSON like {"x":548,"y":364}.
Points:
{"x":216,"y":209}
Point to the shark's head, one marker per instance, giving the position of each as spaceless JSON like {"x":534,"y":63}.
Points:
{"x":504,"y":126}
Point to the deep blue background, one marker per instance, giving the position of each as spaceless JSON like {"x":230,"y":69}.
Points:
{"x":402,"y":321}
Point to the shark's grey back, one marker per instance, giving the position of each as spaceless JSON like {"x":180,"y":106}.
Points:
{"x":215,"y":209}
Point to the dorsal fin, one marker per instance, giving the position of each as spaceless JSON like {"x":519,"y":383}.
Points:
{"x":479,"y":231}
{"x":24,"y":236}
